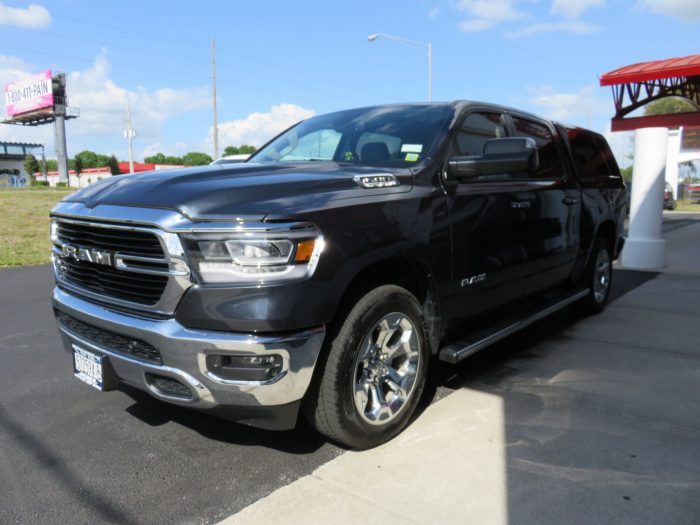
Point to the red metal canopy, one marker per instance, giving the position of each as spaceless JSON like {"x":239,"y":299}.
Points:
{"x":636,"y":85}
{"x":671,"y":67}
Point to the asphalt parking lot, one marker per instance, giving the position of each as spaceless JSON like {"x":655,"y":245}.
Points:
{"x":69,"y":454}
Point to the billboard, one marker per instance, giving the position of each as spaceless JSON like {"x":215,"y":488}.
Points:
{"x":29,"y":94}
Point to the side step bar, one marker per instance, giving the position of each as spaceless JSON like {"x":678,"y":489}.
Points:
{"x":462,"y":348}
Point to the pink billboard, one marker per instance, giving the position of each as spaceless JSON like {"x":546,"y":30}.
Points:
{"x":29,"y":94}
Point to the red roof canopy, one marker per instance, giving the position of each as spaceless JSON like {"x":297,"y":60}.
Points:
{"x":672,"y":67}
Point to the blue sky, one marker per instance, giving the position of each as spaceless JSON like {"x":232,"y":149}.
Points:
{"x":279,"y":62}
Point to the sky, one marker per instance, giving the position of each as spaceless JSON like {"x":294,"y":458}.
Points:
{"x":280,"y":62}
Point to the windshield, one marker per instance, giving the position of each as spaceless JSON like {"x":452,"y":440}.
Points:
{"x":379,"y":136}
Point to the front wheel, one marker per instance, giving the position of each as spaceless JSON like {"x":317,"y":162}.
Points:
{"x":371,"y":381}
{"x":598,"y":278}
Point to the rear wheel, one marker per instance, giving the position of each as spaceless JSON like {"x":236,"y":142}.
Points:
{"x":598,"y":278}
{"x":374,"y":373}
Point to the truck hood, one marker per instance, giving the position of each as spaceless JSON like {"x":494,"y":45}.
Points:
{"x":246,"y":191}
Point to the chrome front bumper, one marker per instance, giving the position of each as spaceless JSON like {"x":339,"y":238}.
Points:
{"x":184,"y":352}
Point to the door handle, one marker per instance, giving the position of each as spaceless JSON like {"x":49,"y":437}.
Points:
{"x":569,"y":201}
{"x":520,"y":204}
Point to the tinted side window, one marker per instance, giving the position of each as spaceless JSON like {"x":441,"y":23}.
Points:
{"x":594,"y":161}
{"x":550,"y":163}
{"x":476,"y":129}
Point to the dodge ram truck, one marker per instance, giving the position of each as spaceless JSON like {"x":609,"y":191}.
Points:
{"x":324,"y":275}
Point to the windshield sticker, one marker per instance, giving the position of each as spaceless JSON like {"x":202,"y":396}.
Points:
{"x":411,"y":157}
{"x":411,"y":148}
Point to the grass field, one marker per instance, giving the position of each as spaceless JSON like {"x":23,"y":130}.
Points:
{"x":686,"y":205}
{"x":24,"y":225}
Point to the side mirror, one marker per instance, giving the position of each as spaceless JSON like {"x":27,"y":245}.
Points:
{"x":506,"y":155}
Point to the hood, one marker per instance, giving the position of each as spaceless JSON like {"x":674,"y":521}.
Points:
{"x":246,"y":191}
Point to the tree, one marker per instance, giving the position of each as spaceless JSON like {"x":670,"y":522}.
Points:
{"x":31,"y":165}
{"x":668,"y":105}
{"x":627,"y":174}
{"x":113,"y":164}
{"x":51,"y":165}
{"x":78,"y":165}
{"x":158,"y":158}
{"x":195,"y":158}
{"x":239,"y":150}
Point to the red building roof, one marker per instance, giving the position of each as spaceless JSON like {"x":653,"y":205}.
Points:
{"x":657,"y":69}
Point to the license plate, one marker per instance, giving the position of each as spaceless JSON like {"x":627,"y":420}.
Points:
{"x":88,"y":367}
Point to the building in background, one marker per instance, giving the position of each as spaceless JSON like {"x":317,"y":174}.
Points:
{"x":89,"y":175}
{"x":12,"y":155}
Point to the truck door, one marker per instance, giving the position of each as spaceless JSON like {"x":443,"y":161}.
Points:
{"x":489,"y":230}
{"x":554,"y":214}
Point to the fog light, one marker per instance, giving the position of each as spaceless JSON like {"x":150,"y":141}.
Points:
{"x":256,"y":368}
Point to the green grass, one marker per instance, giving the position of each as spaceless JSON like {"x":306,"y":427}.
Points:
{"x":24,"y":225}
{"x":685,"y":205}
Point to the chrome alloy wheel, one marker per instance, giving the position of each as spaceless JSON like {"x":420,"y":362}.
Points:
{"x":386,"y":368}
{"x":601,"y":276}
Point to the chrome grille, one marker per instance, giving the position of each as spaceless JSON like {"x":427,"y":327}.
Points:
{"x":132,"y":242}
{"x":135,"y":287}
{"x":119,"y":263}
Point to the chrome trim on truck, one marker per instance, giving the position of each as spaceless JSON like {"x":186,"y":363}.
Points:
{"x":183,"y":352}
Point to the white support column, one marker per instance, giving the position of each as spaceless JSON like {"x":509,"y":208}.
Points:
{"x":672,"y":158}
{"x":645,"y":249}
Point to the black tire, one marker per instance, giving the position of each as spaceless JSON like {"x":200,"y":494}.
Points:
{"x":333,"y":402}
{"x":598,"y":291}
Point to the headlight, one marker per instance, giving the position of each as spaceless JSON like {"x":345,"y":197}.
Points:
{"x":254,"y":256}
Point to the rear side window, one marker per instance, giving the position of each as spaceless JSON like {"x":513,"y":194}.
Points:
{"x":550,"y":162}
{"x":476,"y":129}
{"x":592,"y":156}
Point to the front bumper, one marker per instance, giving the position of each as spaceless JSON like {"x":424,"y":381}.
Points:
{"x":270,"y":404}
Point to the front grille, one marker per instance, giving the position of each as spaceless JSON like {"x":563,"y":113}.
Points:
{"x":135,"y":287}
{"x":131,"y":242}
{"x":109,"y":340}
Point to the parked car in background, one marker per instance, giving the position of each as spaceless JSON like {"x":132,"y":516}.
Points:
{"x":669,"y":200}
{"x":231,"y":159}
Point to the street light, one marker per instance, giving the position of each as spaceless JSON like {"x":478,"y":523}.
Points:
{"x":413,"y":44}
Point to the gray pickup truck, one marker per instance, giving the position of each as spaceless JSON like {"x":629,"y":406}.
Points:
{"x":325,"y":273}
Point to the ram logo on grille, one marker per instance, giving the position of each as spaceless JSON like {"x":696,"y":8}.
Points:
{"x":87,"y":254}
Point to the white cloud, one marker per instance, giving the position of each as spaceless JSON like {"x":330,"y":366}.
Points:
{"x":485,"y":14}
{"x":102,"y":103}
{"x":257,"y":128}
{"x":575,"y":108}
{"x":574,"y":8}
{"x":33,"y":17}
{"x":576,"y":27}
{"x":475,"y":25}
{"x":683,"y":9}
{"x":434,"y":12}
{"x":176,"y":150}
{"x":621,"y":144}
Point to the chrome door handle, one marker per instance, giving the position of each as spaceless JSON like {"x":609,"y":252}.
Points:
{"x":520,"y":204}
{"x":569,"y":201}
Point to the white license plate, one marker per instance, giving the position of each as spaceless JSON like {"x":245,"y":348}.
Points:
{"x":88,"y":367}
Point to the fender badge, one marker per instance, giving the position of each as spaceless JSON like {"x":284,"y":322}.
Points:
{"x":376,"y":181}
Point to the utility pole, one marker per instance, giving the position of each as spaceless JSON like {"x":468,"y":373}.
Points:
{"x":213,"y":92}
{"x":130,"y":133}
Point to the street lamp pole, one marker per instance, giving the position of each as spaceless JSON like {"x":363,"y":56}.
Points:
{"x":415,"y":45}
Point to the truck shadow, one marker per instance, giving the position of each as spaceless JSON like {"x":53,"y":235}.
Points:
{"x":493,"y":364}
{"x":302,"y":440}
